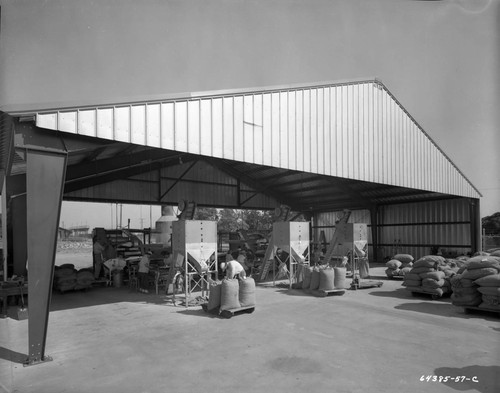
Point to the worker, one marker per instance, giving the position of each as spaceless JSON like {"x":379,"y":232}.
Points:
{"x":242,"y":259}
{"x":98,"y":250}
{"x":233,"y":269}
{"x":143,"y":272}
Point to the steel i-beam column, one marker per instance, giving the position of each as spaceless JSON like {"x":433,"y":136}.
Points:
{"x":44,"y":185}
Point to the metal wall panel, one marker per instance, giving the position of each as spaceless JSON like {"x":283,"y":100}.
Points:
{"x":412,"y":228}
{"x":353,"y":130}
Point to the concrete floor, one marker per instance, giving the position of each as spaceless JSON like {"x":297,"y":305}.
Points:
{"x":371,"y":340}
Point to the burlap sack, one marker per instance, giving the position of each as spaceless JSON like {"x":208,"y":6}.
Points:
{"x":412,"y":276}
{"x":465,"y":291}
{"x":214,"y":295}
{"x":247,"y":292}
{"x":405,"y":270}
{"x":489,"y":307}
{"x":404,"y":258}
{"x":429,"y":261}
{"x":314,"y":279}
{"x":458,"y":282}
{"x":230,"y":294}
{"x":474,"y":274}
{"x":494,"y":291}
{"x":412,"y":283}
{"x":491,"y":300}
{"x":432,"y":291}
{"x":393,"y":264}
{"x":439,"y":275}
{"x":326,"y":279}
{"x":482,"y":262}
{"x":467,"y":300}
{"x":306,"y":281}
{"x":422,"y":269}
{"x":493,"y":280}
{"x":431,"y":283}
{"x":339,"y":279}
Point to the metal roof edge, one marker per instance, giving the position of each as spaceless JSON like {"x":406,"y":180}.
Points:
{"x":427,"y":135}
{"x":34,"y":108}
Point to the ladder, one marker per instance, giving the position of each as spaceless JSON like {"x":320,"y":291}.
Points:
{"x":335,"y":238}
{"x":268,"y":257}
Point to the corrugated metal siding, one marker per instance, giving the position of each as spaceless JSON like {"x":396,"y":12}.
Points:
{"x":412,"y":228}
{"x":356,"y":131}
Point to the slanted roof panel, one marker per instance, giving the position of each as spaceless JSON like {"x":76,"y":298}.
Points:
{"x":356,"y":131}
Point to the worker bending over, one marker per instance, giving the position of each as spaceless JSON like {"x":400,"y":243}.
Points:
{"x":233,"y":269}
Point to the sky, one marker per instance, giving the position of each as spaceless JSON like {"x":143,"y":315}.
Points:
{"x":440,"y":59}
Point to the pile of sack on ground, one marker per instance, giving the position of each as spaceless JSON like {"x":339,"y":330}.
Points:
{"x":318,"y":279}
{"x":399,"y":265}
{"x":477,"y":283}
{"x":67,"y":278}
{"x":231,"y":294}
{"x":431,"y":274}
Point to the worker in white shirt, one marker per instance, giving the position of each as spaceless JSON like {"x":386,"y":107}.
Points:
{"x":233,"y":269}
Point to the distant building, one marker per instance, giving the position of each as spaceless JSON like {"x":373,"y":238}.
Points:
{"x":79,"y":231}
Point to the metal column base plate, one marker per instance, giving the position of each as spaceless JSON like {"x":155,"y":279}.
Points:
{"x":29,"y":362}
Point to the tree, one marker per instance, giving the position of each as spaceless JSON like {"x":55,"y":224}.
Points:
{"x":228,"y":221}
{"x":206,"y":213}
{"x":491,"y":224}
{"x":258,"y":220}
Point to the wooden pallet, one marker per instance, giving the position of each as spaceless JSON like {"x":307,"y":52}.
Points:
{"x":227,"y":314}
{"x":434,"y":296}
{"x":325,"y":293}
{"x":365,"y":284}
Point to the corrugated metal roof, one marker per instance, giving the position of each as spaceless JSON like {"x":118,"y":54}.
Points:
{"x":355,"y":131}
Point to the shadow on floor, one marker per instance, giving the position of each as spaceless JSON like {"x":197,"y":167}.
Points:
{"x":446,"y":309}
{"x":12,"y":356}
{"x":400,"y":293}
{"x":107,"y":295}
{"x":484,"y":379}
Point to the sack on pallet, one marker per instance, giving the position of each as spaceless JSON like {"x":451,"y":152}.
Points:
{"x":214,"y":296}
{"x":439,"y":275}
{"x":339,"y":277}
{"x":489,"y":307}
{"x":412,"y":276}
{"x":326,"y":279}
{"x":391,"y":272}
{"x":466,"y":300}
{"x":306,"y":282}
{"x":431,"y":283}
{"x":432,"y":291}
{"x":493,"y":280}
{"x":229,"y":297}
{"x":403,"y":258}
{"x":495,"y":291}
{"x":459,"y":282}
{"x":247,"y":292}
{"x":491,"y":300}
{"x":474,"y":274}
{"x":482,"y":262}
{"x":422,"y":269}
{"x":404,"y":271}
{"x":412,"y":283}
{"x":393,"y":264}
{"x":314,"y":279}
{"x":429,"y":261}
{"x":465,"y":291}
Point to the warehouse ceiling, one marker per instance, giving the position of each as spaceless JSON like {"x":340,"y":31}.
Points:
{"x":108,"y":171}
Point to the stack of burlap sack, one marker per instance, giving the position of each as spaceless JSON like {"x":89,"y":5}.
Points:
{"x":431,"y":274}
{"x":477,"y":283}
{"x":67,"y":278}
{"x":317,"y":279}
{"x":399,"y":265}
{"x":230,"y":294}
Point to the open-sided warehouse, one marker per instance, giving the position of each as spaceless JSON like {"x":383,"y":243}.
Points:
{"x":319,"y":148}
